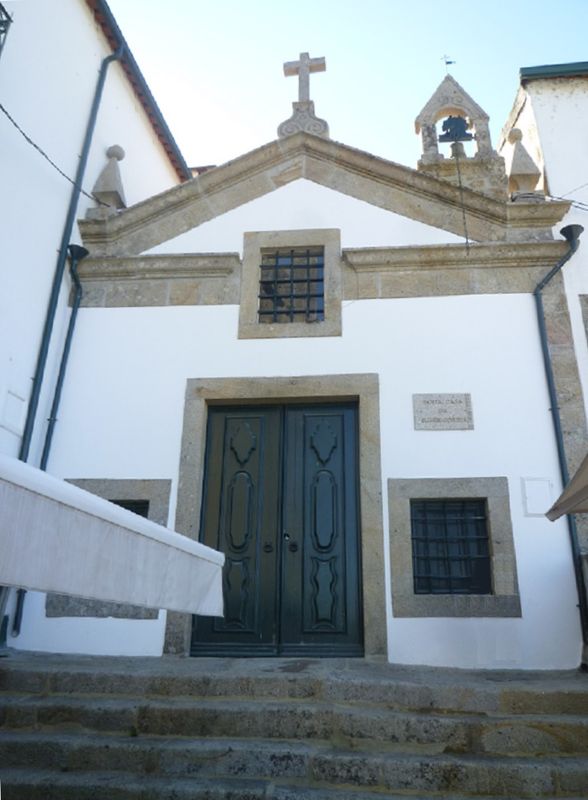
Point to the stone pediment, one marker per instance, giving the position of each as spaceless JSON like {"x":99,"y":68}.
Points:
{"x":355,"y":173}
{"x":449,"y":98}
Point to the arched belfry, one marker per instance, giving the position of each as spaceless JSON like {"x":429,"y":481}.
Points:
{"x":463,"y":119}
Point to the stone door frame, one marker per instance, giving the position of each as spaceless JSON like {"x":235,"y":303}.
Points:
{"x":362,"y":388}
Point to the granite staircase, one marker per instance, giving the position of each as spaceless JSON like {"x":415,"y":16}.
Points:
{"x":74,"y":728}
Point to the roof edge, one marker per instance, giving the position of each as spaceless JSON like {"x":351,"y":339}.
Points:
{"x":105,"y":18}
{"x":573,"y":69}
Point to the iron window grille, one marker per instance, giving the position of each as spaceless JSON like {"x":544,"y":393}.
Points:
{"x":291,"y":285}
{"x":5,"y":21}
{"x":450,"y":547}
{"x":140,"y":507}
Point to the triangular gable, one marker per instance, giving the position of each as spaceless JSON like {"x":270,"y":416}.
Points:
{"x":382,"y":183}
{"x":304,"y":205}
{"x":449,"y":98}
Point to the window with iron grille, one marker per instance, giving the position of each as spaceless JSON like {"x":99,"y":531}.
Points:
{"x":140,"y":507}
{"x":291,"y":285}
{"x":450,"y":548}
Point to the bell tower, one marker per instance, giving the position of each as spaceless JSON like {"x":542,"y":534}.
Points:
{"x":463,"y":121}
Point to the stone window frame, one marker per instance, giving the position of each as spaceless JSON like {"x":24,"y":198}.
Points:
{"x":504,"y":600}
{"x":256,"y":241}
{"x":360,"y":387}
{"x":157,"y":492}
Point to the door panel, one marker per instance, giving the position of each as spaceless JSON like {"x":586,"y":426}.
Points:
{"x":320,"y":608}
{"x":241,"y":517}
{"x":280,"y":500}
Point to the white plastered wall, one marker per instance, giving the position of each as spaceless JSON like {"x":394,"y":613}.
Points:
{"x":138,"y":637}
{"x":122,"y":418}
{"x":560,"y":110}
{"x":304,"y":204}
{"x":453,"y":344}
{"x":48,"y":73}
{"x":554,"y":121}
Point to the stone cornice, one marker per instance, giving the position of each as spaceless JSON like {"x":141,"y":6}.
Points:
{"x":455,"y":256}
{"x":161,"y":280}
{"x":184,"y":265}
{"x":361,"y":259}
{"x":366,"y":177}
{"x":441,"y":271}
{"x":367,"y":273}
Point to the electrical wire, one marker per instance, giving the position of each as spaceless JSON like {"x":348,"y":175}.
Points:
{"x":579,"y":204}
{"x":577,"y":189}
{"x":46,"y":157}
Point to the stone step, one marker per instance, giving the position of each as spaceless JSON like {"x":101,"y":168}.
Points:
{"x":342,"y":680}
{"x":319,"y":765}
{"x":523,"y":734}
{"x":286,"y":729}
{"x":44,"y":785}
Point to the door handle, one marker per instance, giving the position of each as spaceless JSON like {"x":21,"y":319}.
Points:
{"x":293,"y":547}
{"x":268,"y":547}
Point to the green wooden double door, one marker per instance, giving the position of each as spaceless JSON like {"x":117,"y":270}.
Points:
{"x":281,"y":501}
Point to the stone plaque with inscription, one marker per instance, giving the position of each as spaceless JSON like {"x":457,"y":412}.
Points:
{"x":442,"y":412}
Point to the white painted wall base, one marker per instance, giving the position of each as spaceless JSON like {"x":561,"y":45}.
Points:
{"x":108,"y":637}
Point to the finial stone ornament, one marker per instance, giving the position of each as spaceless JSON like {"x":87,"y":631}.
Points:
{"x":303,"y":117}
{"x":115,"y":151}
{"x":523,"y":173}
{"x":108,"y":189}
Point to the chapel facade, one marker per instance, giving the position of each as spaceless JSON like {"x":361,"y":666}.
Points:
{"x":328,"y":366}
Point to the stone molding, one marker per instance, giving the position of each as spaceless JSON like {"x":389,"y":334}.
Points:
{"x":358,"y":174}
{"x":529,"y":219}
{"x":513,"y":255}
{"x":583,"y":298}
{"x":444,"y":270}
{"x":157,"y":492}
{"x":570,"y":396}
{"x":360,"y":273}
{"x":181,"y":265}
{"x":254,"y":243}
{"x":486,"y":175}
{"x":504,"y":601}
{"x":364,"y":388}
{"x":185,"y":279}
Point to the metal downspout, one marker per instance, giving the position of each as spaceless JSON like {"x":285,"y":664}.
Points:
{"x":571,"y":233}
{"x":33,"y":406}
{"x":61,"y":259}
{"x":77,"y":253}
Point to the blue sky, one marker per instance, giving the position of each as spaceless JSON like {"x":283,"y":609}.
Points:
{"x":215,"y":67}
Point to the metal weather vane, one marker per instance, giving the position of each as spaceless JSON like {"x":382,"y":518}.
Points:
{"x":447,"y":60}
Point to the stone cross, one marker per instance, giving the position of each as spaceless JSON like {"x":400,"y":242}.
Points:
{"x":303,"y":68}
